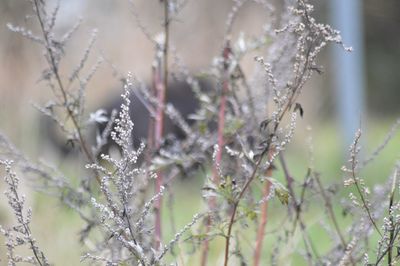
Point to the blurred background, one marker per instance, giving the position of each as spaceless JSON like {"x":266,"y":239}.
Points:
{"x":197,"y":37}
{"x":122,"y":43}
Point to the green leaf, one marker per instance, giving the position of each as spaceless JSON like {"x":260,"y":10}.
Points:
{"x":203,"y":128}
{"x":280,"y":191}
{"x":225,"y":189}
{"x":252,"y":215}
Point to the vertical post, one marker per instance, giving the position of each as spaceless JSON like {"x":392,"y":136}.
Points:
{"x":349,"y":79}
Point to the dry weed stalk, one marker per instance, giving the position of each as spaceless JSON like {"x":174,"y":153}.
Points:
{"x":235,"y":137}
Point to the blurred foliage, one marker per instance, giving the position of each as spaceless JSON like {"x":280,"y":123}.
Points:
{"x":382,"y":39}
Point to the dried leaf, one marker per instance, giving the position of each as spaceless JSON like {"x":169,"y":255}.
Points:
{"x":300,"y":108}
{"x":264,"y":124}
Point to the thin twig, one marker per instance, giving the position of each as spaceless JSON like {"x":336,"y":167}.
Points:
{"x":236,"y":204}
{"x":54,"y":68}
{"x":297,"y":206}
{"x":356,"y":183}
{"x":391,"y":237}
{"x":332,"y":215}
{"x":291,"y":99}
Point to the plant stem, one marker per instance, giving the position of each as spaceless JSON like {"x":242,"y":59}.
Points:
{"x":297,"y":206}
{"x":220,"y":140}
{"x":236,"y":204}
{"x":355,"y":179}
{"x":161,"y":87}
{"x":27,"y":229}
{"x":391,"y":237}
{"x":54,"y":68}
{"x":263,"y":221}
{"x":332,"y":215}
{"x":291,"y":99}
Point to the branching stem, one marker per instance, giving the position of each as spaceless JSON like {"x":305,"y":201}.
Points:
{"x":54,"y":67}
{"x":356,"y":183}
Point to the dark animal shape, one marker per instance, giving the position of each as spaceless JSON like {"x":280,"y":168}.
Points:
{"x":179,"y":94}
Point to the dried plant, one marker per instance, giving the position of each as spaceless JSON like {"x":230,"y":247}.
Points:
{"x":19,"y":235}
{"x":238,"y":138}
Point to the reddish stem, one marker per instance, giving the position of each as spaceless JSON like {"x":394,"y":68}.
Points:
{"x":206,"y":243}
{"x":220,"y":140}
{"x":161,"y":84}
{"x":221,"y":125}
{"x":263,"y":221}
{"x":155,"y":141}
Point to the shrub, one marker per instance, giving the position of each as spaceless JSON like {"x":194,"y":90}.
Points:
{"x":236,"y":140}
